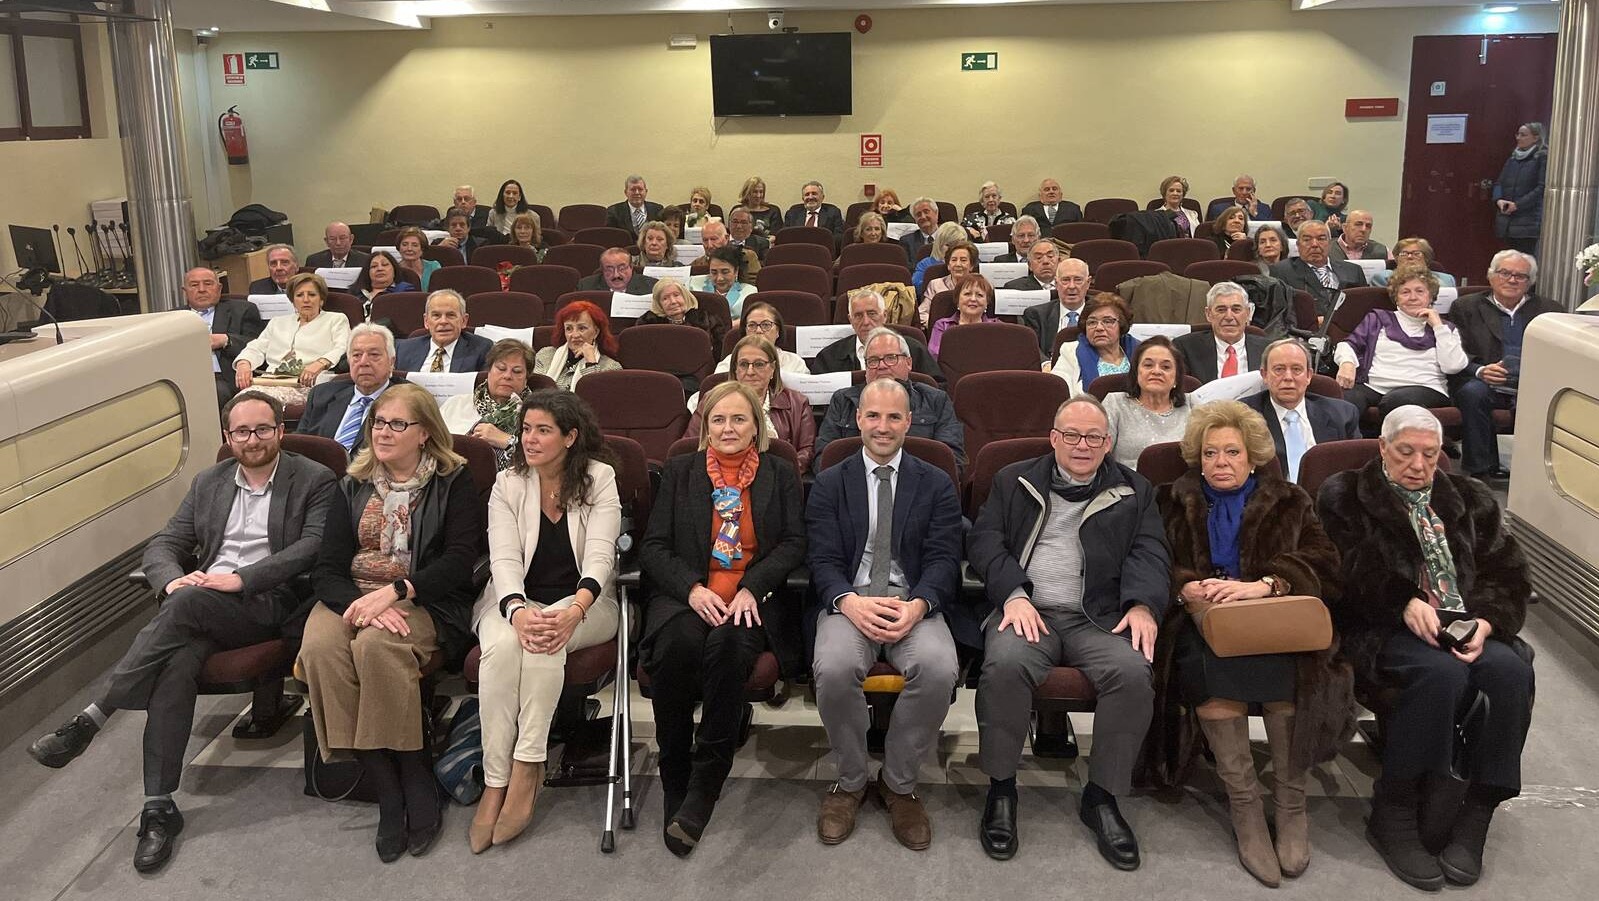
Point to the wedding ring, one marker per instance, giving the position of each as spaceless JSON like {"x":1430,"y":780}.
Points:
{"x":360,"y":621}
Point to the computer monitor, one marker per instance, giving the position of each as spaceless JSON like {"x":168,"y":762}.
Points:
{"x":35,"y":248}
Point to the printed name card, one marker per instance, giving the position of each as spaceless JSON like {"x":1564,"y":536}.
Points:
{"x":688,"y":253}
{"x":810,"y":339}
{"x":444,"y":385}
{"x":1146,"y":330}
{"x":629,"y":306}
{"x":818,"y":388}
{"x":693,"y":233}
{"x":1446,"y":300}
{"x":500,"y":333}
{"x":988,"y":250}
{"x":677,"y":272}
{"x":339,"y":276}
{"x":1230,"y":388}
{"x":271,"y":306}
{"x":1000,"y":273}
{"x":1255,"y":225}
{"x":389,"y":249}
{"x":1371,"y":267}
{"x":435,"y":234}
{"x":1013,"y":301}
{"x":897,"y":230}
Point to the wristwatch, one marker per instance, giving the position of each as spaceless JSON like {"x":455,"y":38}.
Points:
{"x":399,"y":589}
{"x":1277,"y":584}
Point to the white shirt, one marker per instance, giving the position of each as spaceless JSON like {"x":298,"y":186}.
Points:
{"x":449,"y":355}
{"x":209,"y":314}
{"x":1221,"y":355}
{"x":863,"y":574}
{"x":1304,"y":422}
{"x":244,"y":538}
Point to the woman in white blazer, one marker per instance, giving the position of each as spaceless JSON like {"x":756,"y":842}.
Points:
{"x":554,"y":518}
{"x":1173,"y":190}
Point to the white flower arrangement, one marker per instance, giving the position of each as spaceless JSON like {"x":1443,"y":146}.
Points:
{"x":1588,"y":263}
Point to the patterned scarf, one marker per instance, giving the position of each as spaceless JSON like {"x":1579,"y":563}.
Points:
{"x":728,"y":502}
{"x":1443,"y":589}
{"x":398,"y":499}
{"x":501,"y":414}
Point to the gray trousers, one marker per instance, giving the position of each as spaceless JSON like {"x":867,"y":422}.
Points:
{"x":925,"y":657}
{"x":1012,"y":668}
{"x":160,"y":673}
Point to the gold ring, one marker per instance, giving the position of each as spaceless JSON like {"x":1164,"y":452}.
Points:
{"x":360,"y":621}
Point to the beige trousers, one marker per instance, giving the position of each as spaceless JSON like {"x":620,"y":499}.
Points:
{"x":365,"y":692}
{"x":518,"y":691}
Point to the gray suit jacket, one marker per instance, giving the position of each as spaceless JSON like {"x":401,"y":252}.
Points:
{"x":1375,"y":250}
{"x":302,"y":495}
{"x":1298,"y":276}
{"x":241,"y":322}
{"x":1199,"y":353}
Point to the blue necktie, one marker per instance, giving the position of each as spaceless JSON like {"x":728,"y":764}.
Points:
{"x":1293,"y":442}
{"x":350,"y":428}
{"x":1071,"y":318}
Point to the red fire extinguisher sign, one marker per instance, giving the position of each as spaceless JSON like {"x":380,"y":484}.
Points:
{"x":233,"y":68}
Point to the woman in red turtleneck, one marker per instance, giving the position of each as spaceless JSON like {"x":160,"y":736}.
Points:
{"x":728,"y":527}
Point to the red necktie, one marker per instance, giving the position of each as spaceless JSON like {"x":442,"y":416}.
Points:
{"x":1230,"y":365}
{"x":810,"y":219}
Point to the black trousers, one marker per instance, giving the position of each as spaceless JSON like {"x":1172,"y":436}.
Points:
{"x":160,"y":673}
{"x":1418,"y":733}
{"x":690,"y":662}
{"x":1477,"y":400}
{"x":226,"y":388}
{"x":1363,"y":396}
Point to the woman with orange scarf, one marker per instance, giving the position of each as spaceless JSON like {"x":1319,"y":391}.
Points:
{"x":728,"y":527}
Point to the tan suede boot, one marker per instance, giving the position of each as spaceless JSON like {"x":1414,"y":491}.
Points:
{"x":481,"y":833}
{"x":520,"y":795}
{"x":1293,"y":824}
{"x":1229,"y":742}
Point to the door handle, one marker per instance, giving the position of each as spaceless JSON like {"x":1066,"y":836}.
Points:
{"x":1486,"y":184}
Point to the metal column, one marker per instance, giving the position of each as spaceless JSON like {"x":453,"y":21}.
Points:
{"x":144,"y":62}
{"x":1571,"y":198}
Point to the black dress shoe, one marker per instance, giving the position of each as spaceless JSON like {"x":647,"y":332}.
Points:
{"x":1117,"y":843}
{"x":57,"y":749}
{"x":998,"y":832}
{"x":391,"y":846}
{"x":158,"y":829}
{"x":418,"y":841}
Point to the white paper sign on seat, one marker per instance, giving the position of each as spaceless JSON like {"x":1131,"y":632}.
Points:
{"x":444,"y":385}
{"x":810,"y":339}
{"x":818,"y":388}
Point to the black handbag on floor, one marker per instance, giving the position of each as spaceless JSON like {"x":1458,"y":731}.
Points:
{"x":342,"y":780}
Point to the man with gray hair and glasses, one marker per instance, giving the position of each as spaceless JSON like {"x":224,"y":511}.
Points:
{"x":1491,"y":327}
{"x":811,"y":211}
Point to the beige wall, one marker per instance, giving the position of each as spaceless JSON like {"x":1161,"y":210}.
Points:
{"x":53,"y":182}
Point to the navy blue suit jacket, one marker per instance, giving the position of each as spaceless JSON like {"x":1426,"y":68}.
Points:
{"x":413,"y":354}
{"x":1331,"y":419}
{"x":927,"y":537}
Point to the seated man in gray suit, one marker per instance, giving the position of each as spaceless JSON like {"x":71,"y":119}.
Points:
{"x":447,"y":347}
{"x":1317,"y":273}
{"x":888,"y":356}
{"x":337,"y":409}
{"x":884,"y":553}
{"x":1297,"y":419}
{"x":233,"y":323}
{"x":1051,"y":208}
{"x":616,"y":274}
{"x":226,"y":564}
{"x":924,"y":211}
{"x":281,"y":263}
{"x":1226,"y":350}
{"x":1023,"y":235}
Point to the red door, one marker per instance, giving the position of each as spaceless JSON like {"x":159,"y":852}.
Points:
{"x":1498,"y":82}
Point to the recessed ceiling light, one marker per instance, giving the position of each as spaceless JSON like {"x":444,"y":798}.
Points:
{"x":1501,"y":8}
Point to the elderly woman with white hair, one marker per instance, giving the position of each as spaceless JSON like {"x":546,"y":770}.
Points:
{"x":988,"y":214}
{"x":1433,"y":593}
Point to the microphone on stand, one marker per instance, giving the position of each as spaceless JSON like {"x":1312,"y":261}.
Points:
{"x":20,"y":335}
{"x":83,"y":265}
{"x":127,"y":238}
{"x":94,"y":250}
{"x":56,"y":238}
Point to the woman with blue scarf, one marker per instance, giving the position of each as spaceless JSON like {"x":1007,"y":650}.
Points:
{"x":1239,"y":531}
{"x":727,"y":527}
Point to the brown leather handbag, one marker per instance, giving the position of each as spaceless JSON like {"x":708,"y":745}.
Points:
{"x":1281,"y":625}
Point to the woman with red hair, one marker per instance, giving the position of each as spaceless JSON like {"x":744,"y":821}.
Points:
{"x":583,"y":343}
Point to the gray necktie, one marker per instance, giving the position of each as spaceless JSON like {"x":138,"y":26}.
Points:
{"x":883,"y":535}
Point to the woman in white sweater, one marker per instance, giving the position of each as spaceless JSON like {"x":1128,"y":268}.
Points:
{"x":554,"y":518}
{"x":1404,"y":357}
{"x":294,"y":350}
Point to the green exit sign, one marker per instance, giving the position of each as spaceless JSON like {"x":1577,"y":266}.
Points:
{"x":260,"y":60}
{"x":974,"y":62}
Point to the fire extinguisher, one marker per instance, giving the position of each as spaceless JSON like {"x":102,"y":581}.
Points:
{"x":230,"y":125}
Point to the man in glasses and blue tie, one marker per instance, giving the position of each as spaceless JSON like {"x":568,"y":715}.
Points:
{"x":1297,"y":419}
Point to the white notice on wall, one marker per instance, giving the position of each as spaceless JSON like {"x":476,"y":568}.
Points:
{"x":1446,"y":128}
{"x":818,"y":388}
{"x":629,"y":306}
{"x":1012,"y":302}
{"x":444,"y":385}
{"x":271,"y":306}
{"x":810,"y":339}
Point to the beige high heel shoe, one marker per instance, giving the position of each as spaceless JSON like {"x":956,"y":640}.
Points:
{"x":480,"y":835}
{"x":520,"y":796}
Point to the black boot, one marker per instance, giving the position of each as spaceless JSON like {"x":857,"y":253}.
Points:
{"x":1461,"y":859}
{"x":712,"y":762}
{"x":424,"y":814}
{"x":674,"y":737}
{"x":1393,"y":831}
{"x":381,"y":767}
{"x":57,"y":749}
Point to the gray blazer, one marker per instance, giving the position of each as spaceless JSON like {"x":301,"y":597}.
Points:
{"x":241,"y":322}
{"x":302,"y":494}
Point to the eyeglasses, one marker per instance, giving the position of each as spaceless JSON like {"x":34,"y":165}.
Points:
{"x":261,"y":432}
{"x":615,"y":270}
{"x":1102,"y":322}
{"x":754,"y":365}
{"x":1509,"y":276}
{"x":394,"y":425}
{"x":1088,"y":439}
{"x":885,"y":361}
{"x":759,"y":326}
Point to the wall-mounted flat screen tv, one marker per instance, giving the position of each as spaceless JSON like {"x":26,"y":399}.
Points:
{"x":780,"y":74}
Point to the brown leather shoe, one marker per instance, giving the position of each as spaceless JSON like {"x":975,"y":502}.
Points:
{"x":837,"y":818}
{"x":909,"y":818}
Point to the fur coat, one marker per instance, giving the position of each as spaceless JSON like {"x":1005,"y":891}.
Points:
{"x":1382,"y":561}
{"x":1281,"y":536}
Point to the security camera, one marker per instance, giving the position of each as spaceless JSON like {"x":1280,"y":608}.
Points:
{"x":774,"y":20}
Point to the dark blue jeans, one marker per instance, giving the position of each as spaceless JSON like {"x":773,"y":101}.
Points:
{"x":1477,"y":400}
